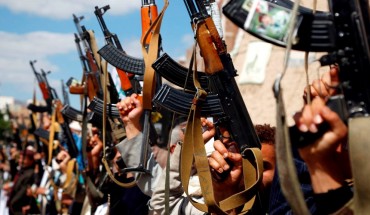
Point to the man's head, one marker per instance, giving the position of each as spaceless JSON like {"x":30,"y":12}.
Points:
{"x":26,"y":158}
{"x":75,"y":127}
{"x":266,"y":135}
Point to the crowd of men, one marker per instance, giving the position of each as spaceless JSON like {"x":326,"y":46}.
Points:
{"x":30,"y":186}
{"x":98,"y":164}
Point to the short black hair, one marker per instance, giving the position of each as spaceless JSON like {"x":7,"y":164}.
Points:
{"x":266,"y":133}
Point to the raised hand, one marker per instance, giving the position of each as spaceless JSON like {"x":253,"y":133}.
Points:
{"x":327,"y":157}
{"x":130,"y":110}
{"x":324,"y":87}
{"x":223,"y":160}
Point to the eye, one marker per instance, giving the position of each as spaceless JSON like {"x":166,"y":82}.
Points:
{"x":267,"y":165}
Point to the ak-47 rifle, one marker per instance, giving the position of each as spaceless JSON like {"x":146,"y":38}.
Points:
{"x":235,"y":118}
{"x":118,"y":57}
{"x":90,"y":66}
{"x":51,"y":97}
{"x":344,"y":33}
{"x":67,"y":133}
{"x":48,"y":93}
{"x":314,"y":30}
{"x":221,"y":72}
{"x":129,"y":83}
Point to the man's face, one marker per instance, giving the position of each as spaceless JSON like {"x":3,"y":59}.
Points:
{"x":25,"y":160}
{"x":269,"y":160}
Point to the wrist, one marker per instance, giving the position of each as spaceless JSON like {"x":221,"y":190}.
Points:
{"x":132,"y":130}
{"x":324,"y":179}
{"x":334,"y":199}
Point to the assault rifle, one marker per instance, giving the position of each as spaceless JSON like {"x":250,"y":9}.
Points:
{"x":344,"y":33}
{"x":64,"y":123}
{"x":220,"y":71}
{"x":314,"y":31}
{"x":90,"y":65}
{"x":51,"y":97}
{"x":117,"y":57}
{"x":235,"y":118}
{"x":128,"y":81}
{"x":48,"y":93}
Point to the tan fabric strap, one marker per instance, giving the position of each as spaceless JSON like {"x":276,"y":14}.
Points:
{"x":193,"y":150}
{"x":150,"y":56}
{"x":94,"y":48}
{"x":51,"y":136}
{"x":359,"y":147}
{"x":104,"y":161}
{"x":285,"y":163}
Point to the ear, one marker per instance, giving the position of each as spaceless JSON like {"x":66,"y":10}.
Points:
{"x":172,"y":148}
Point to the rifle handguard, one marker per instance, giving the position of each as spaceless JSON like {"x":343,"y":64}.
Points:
{"x":77,"y":89}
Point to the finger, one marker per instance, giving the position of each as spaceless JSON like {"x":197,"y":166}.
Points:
{"x":220,"y":147}
{"x":218,"y":162}
{"x":207,"y":135}
{"x":203,"y":120}
{"x":235,"y":157}
{"x":136,"y":101}
{"x":215,"y":165}
{"x":317,"y":105}
{"x":310,"y":118}
{"x":319,"y":89}
{"x":337,"y":125}
{"x":304,"y":120}
{"x":334,"y":75}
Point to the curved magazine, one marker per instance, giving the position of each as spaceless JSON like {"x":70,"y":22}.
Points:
{"x":313,"y":32}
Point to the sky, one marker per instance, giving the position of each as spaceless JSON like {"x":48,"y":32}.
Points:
{"x":44,"y":31}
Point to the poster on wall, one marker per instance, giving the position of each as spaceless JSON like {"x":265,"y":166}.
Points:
{"x":256,"y":59}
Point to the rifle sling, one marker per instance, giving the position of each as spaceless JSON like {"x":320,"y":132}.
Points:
{"x":284,"y":156}
{"x":104,"y":119}
{"x":150,"y":54}
{"x":358,"y":148}
{"x":51,"y":136}
{"x":94,"y":48}
{"x":284,"y":161}
{"x":193,"y":148}
{"x":71,"y":184}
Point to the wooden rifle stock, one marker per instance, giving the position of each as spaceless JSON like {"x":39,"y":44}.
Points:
{"x":42,"y":84}
{"x":44,"y":91}
{"x":149,"y":12}
{"x":208,"y":49}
